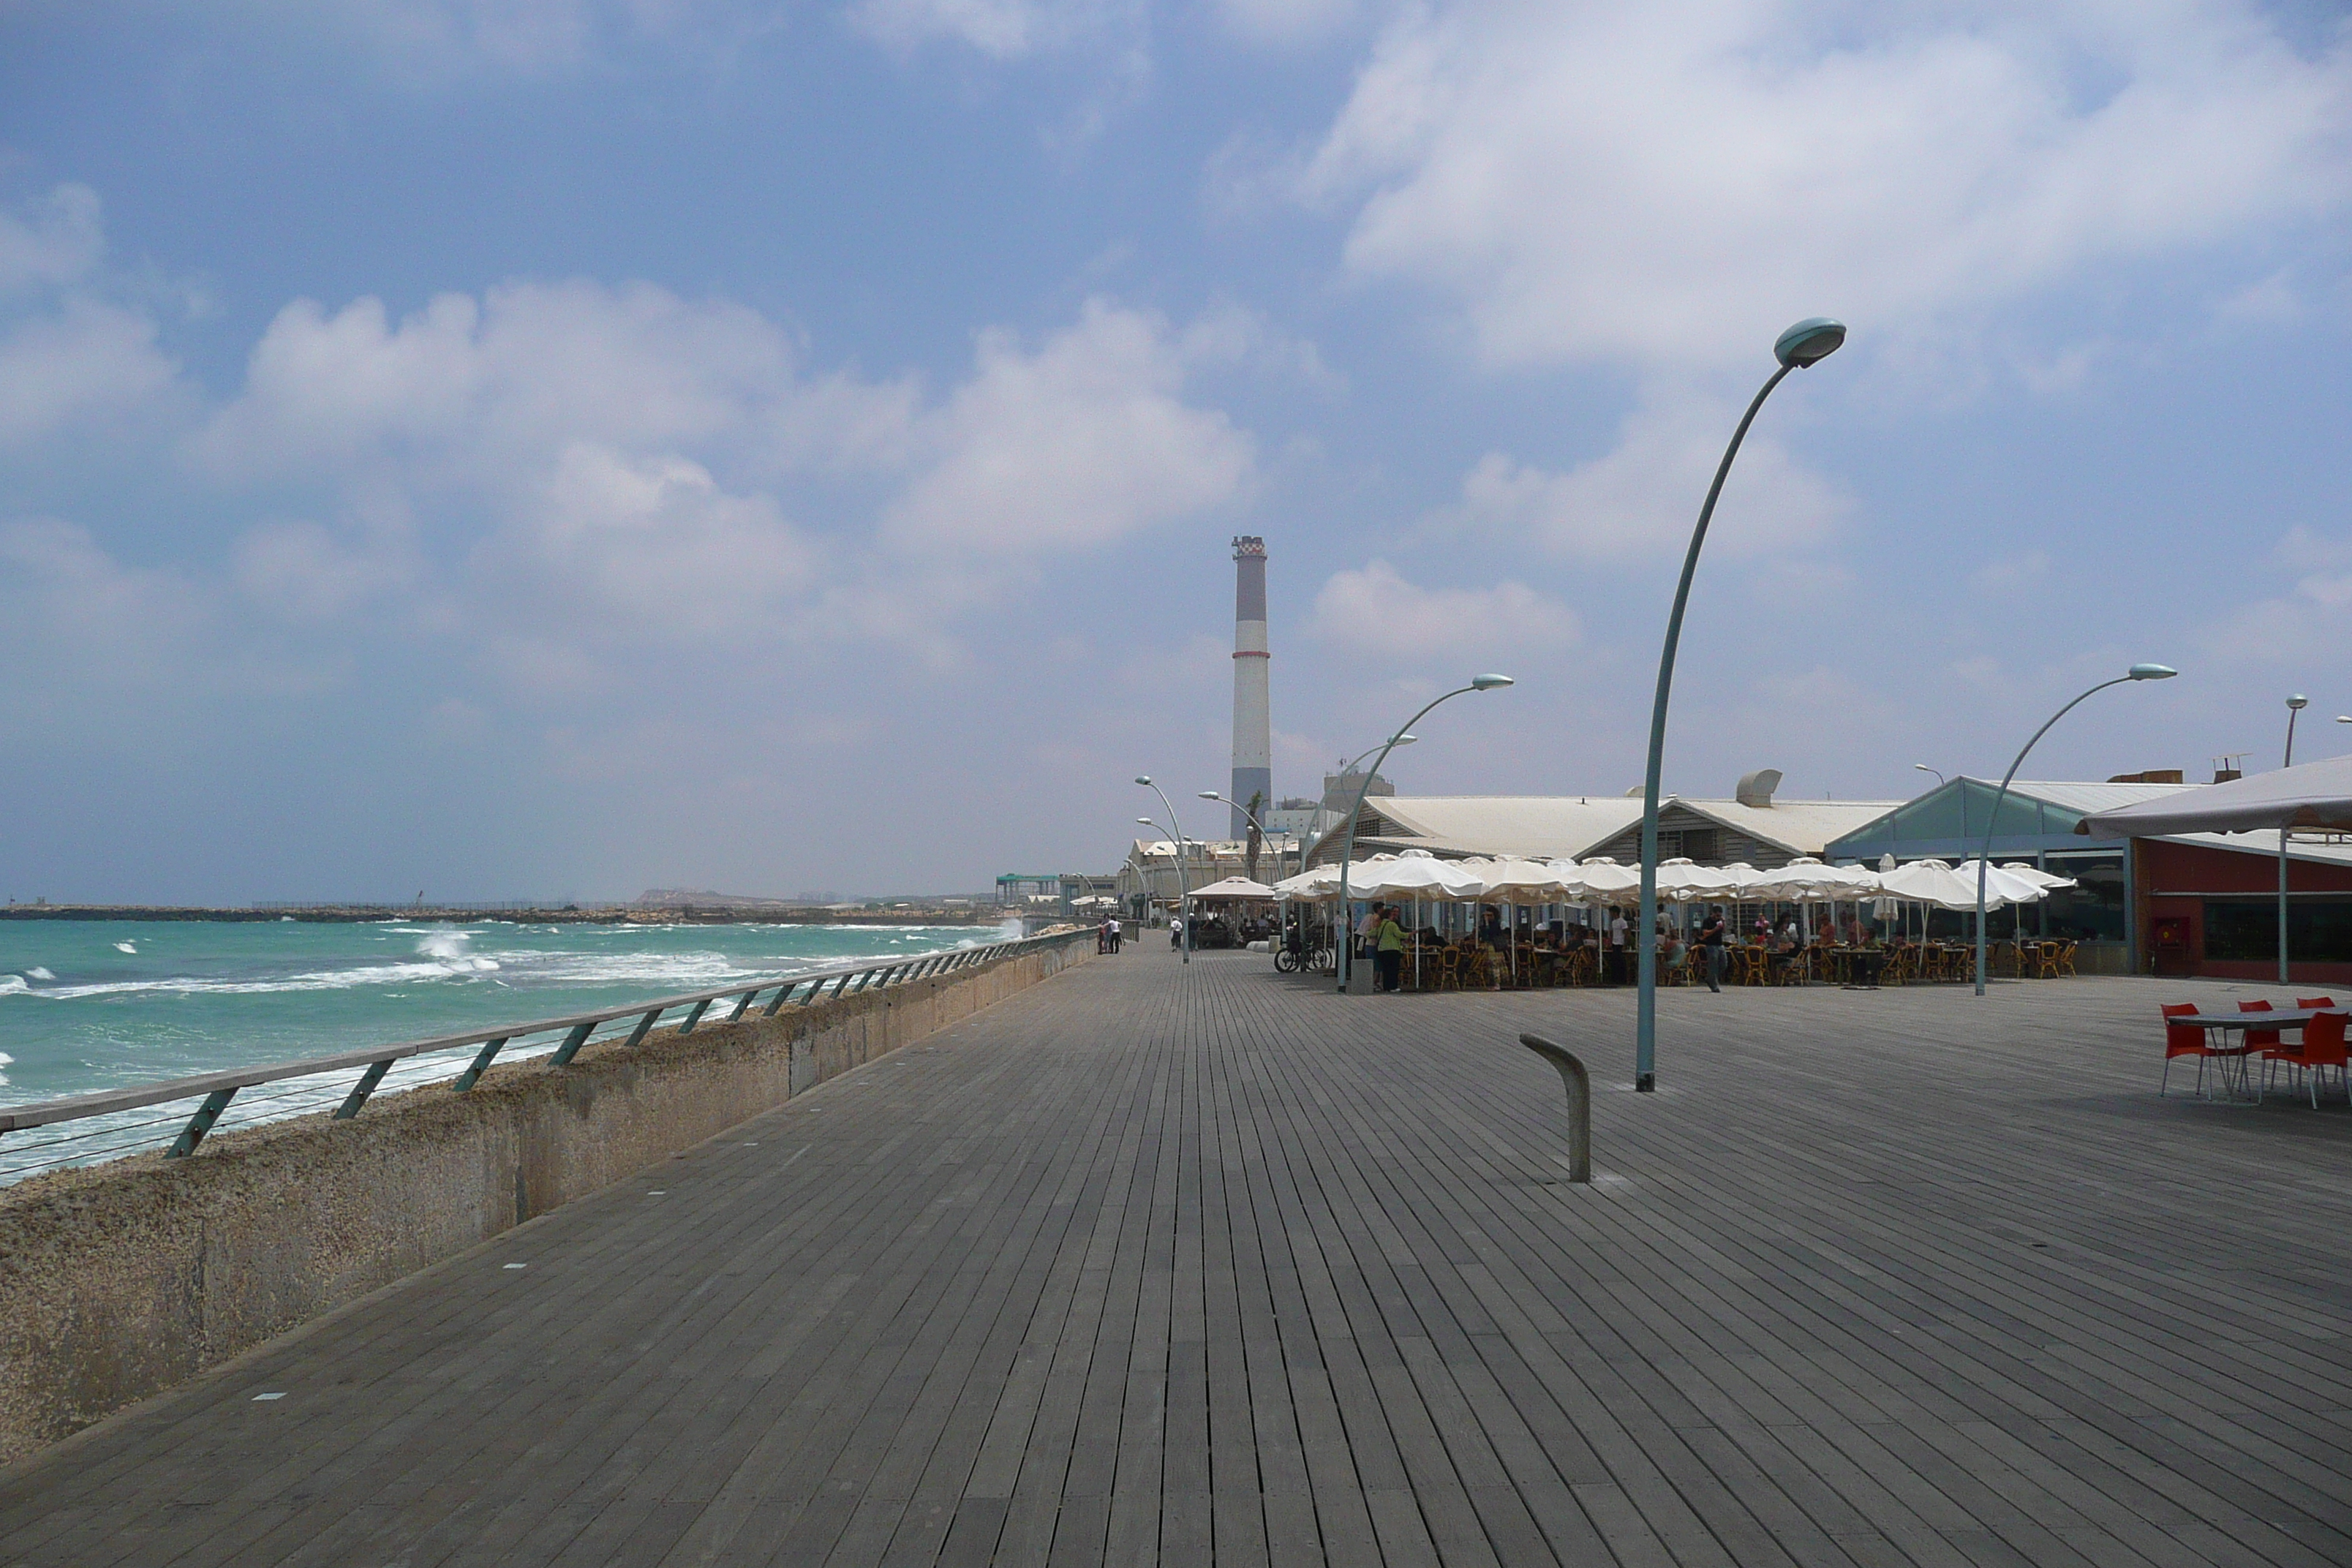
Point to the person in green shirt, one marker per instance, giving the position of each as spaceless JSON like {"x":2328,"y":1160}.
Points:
{"x":1388,"y":942}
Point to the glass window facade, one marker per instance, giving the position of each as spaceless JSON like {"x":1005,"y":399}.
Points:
{"x":2317,"y":930}
{"x":2093,"y":911}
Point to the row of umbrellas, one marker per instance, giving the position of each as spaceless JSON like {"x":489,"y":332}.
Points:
{"x":1417,"y":874}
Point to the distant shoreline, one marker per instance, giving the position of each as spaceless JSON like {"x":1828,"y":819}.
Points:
{"x":610,"y":914}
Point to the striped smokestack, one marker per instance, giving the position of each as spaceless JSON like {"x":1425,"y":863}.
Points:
{"x":1253,"y":720}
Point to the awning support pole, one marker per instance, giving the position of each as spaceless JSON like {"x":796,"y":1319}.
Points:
{"x":2282,"y":903}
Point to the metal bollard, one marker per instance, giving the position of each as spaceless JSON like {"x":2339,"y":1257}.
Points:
{"x":1580,"y":1103}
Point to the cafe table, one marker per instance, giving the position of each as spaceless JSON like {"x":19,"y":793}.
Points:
{"x":2221,"y":1024}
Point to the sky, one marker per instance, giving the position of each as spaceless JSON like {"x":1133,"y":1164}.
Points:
{"x":558,"y":448}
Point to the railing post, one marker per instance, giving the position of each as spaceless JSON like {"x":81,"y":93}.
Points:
{"x":571,"y":1044}
{"x":694,"y":1018}
{"x":742,"y":1004}
{"x":362,"y":1089}
{"x":1580,"y":1103}
{"x":783,"y":995}
{"x":200,"y":1123}
{"x":473,"y":1075}
{"x":645,"y":1028}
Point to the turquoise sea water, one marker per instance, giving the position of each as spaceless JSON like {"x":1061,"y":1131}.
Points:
{"x":87,"y":1005}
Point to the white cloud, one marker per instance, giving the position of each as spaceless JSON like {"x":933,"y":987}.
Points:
{"x":1082,"y":442}
{"x":1288,"y":21}
{"x":305,"y":572}
{"x":466,"y":388}
{"x":57,"y":241}
{"x":1001,"y":29}
{"x":1374,"y":608}
{"x":622,"y":467}
{"x":1670,"y":184}
{"x":87,"y":359}
{"x":660,"y":540}
{"x":1639,"y":501}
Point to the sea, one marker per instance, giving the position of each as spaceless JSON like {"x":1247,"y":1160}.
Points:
{"x":89,"y":1004}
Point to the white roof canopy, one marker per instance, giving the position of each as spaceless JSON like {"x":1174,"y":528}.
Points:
{"x":2315,"y":795}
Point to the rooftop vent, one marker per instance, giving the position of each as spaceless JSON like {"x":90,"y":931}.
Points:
{"x":1756,"y":789}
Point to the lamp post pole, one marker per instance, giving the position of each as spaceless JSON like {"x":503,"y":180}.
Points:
{"x":1251,"y":818}
{"x":1992,"y":821}
{"x":1183,"y":884}
{"x":1800,"y":347}
{"x":1347,"y":854}
{"x":2295,"y":705}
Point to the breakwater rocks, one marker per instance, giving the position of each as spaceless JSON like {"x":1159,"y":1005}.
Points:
{"x":119,"y":1280}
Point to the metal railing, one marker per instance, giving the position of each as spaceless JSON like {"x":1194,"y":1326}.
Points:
{"x":112,"y":1137}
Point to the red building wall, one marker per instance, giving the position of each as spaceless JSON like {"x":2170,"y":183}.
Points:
{"x":2173,"y":882}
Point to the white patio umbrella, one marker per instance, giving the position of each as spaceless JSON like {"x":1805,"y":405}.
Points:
{"x":1509,"y":879}
{"x":1683,"y":881}
{"x":1318,"y":886}
{"x":2014,"y":888}
{"x":1234,"y":888}
{"x":1415,"y":874}
{"x":1936,"y":882}
{"x":2035,"y":875}
{"x":1602,"y":880}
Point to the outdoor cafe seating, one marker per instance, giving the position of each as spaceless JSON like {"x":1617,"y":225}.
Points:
{"x":2256,"y":1031}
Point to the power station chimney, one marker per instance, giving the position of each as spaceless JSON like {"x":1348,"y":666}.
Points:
{"x":1253,"y":720}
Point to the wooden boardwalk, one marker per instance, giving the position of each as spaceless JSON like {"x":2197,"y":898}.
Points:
{"x":1154,"y":1265}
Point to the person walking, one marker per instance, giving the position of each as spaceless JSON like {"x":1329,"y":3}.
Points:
{"x":1710,"y":936}
{"x":1618,"y":931}
{"x":1388,"y":940}
{"x":1175,"y":932}
{"x":1369,"y":928}
{"x":1115,"y":933}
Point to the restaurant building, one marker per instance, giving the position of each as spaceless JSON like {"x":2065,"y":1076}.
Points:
{"x":1754,"y":826}
{"x":2186,"y":904}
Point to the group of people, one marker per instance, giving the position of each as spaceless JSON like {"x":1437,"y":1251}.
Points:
{"x":1380,"y":937}
{"x":1106,"y":935}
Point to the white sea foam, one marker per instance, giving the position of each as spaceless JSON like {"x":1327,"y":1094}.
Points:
{"x":7,"y":1060}
{"x":125,"y":947}
{"x":13,"y":985}
{"x":37,"y":972}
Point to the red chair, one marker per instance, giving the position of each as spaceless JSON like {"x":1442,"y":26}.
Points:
{"x":2322,"y":1047}
{"x":2187,"y":1040}
{"x":2259,"y":1040}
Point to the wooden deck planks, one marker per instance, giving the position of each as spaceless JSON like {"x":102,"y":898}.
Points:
{"x":1165,"y":1263}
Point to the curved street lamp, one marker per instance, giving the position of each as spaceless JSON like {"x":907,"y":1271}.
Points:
{"x":1183,"y":885}
{"x":1984,"y":852}
{"x":1251,"y":816}
{"x":1803,"y":346}
{"x":2295,"y":705}
{"x":1924,"y":768}
{"x":1347,"y":855}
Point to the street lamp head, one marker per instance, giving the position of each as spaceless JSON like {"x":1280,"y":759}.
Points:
{"x":1404,"y":740}
{"x":2298,"y":702}
{"x":1808,"y":342}
{"x":1145,"y":822}
{"x":1143,"y":779}
{"x":1922,"y":767}
{"x":2344,"y":718}
{"x":2152,"y":672}
{"x":1490,"y":682}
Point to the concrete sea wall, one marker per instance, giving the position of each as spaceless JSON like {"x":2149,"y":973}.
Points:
{"x":119,"y":1281}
